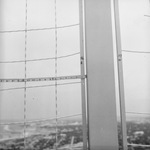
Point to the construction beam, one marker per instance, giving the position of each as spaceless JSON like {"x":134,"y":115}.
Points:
{"x":102,"y":116}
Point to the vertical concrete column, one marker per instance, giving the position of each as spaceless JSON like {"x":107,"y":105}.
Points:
{"x":103,"y":133}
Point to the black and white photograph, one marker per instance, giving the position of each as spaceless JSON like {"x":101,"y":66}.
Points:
{"x":74,"y":74}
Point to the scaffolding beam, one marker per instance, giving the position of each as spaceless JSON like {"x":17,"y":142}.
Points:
{"x":103,"y":134}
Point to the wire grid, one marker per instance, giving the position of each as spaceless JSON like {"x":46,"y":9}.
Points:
{"x":40,"y":59}
{"x":39,"y":29}
{"x":25,"y":80}
{"x":135,"y":51}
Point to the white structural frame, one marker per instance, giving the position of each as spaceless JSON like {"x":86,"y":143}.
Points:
{"x":83,"y":80}
{"x":103,"y":133}
{"x":120,"y":75}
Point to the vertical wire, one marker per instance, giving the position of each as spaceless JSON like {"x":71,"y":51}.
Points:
{"x":25,"y":69}
{"x":56,"y":103}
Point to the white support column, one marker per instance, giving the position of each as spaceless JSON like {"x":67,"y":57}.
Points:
{"x":100,"y":76}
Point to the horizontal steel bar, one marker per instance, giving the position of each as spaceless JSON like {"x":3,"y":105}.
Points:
{"x":43,"y":79}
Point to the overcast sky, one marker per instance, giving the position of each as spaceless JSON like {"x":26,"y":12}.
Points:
{"x":135,"y":35}
{"x":41,"y":102}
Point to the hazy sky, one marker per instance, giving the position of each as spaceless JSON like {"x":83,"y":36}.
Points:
{"x":135,"y":35}
{"x":40,"y":44}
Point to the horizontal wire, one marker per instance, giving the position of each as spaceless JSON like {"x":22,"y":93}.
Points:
{"x":40,"y":120}
{"x":138,"y":145}
{"x":19,"y":88}
{"x":43,"y":79}
{"x":138,"y":113}
{"x":41,"y":59}
{"x":40,"y":29}
{"x":147,"y":15}
{"x":131,"y":51}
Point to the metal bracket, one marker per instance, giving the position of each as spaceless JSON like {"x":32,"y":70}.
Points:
{"x":82,"y":59}
{"x":120,"y":57}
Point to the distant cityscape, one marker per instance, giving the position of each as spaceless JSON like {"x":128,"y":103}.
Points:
{"x":43,"y":136}
{"x":67,"y":136}
{"x":138,"y":133}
